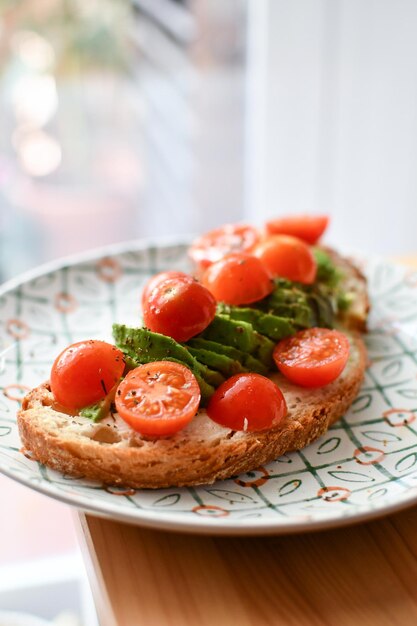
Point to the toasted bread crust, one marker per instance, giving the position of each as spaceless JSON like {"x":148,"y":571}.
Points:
{"x":200,"y":454}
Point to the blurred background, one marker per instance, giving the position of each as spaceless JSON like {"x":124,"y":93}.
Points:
{"x":135,"y":118}
{"x":122,"y":119}
{"x":118,"y":120}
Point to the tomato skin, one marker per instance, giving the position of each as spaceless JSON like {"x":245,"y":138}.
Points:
{"x":177,"y":305}
{"x":215,"y":244}
{"x":309,"y":228}
{"x":238,"y":278}
{"x":313,"y":357}
{"x":154,"y":281}
{"x":249,"y":402}
{"x":85,"y":372}
{"x":159,"y":398}
{"x":288,"y":257}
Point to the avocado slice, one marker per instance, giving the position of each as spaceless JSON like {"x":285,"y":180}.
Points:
{"x":248,"y":362}
{"x":239,"y":335}
{"x":273,"y":326}
{"x":242,"y":336}
{"x":322,"y":308}
{"x":143,"y":346}
{"x":95,"y":412}
{"x":300,"y":315}
{"x":281,"y":297}
{"x":264,"y":350}
{"x":303,"y":305}
{"x":327,"y":272}
{"x":216,"y":361}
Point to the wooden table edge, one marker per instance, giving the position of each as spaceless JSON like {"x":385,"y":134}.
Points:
{"x":94,"y":573}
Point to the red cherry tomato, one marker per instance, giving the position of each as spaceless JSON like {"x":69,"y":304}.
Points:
{"x":158,"y":398}
{"x":313,"y":357}
{"x":239,"y":278}
{"x":287,"y":257}
{"x":309,"y":228}
{"x":247,"y":402}
{"x":156,"y":280}
{"x":85,"y":372}
{"x":214,"y":245}
{"x":175,"y":304}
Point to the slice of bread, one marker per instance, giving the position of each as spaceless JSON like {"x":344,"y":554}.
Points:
{"x":203,"y":452}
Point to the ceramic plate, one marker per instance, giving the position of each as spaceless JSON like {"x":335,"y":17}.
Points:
{"x":364,"y":466}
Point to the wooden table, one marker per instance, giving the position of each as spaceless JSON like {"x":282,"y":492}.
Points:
{"x":362,"y":574}
{"x":358,"y":575}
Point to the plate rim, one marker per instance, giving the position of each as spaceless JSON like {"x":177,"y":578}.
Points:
{"x":198,"y":525}
{"x":224,"y":528}
{"x":91,"y":255}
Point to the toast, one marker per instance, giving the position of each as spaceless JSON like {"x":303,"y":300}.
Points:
{"x":203,"y":452}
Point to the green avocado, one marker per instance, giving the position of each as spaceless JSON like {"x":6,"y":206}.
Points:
{"x":288,"y":300}
{"x":216,"y":361}
{"x":344,"y":300}
{"x":239,"y":335}
{"x":301,"y":316}
{"x":264,"y":350}
{"x":322,"y":309}
{"x":143,"y":346}
{"x":326,"y":271}
{"x":242,"y":336}
{"x":248,"y":362}
{"x":95,"y":412}
{"x":273,"y":326}
{"x":303,"y":305}
{"x":284,"y":298}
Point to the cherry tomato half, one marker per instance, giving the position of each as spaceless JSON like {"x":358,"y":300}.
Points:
{"x":309,"y":228}
{"x":238,"y":278}
{"x":214,"y":245}
{"x":287,"y":257}
{"x":175,"y":304}
{"x":313,"y":357}
{"x":158,"y":398}
{"x":85,"y":372}
{"x":247,"y":402}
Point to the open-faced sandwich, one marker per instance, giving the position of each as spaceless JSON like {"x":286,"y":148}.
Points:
{"x":255,"y":357}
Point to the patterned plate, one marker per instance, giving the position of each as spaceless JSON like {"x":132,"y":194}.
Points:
{"x":364,"y":466}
